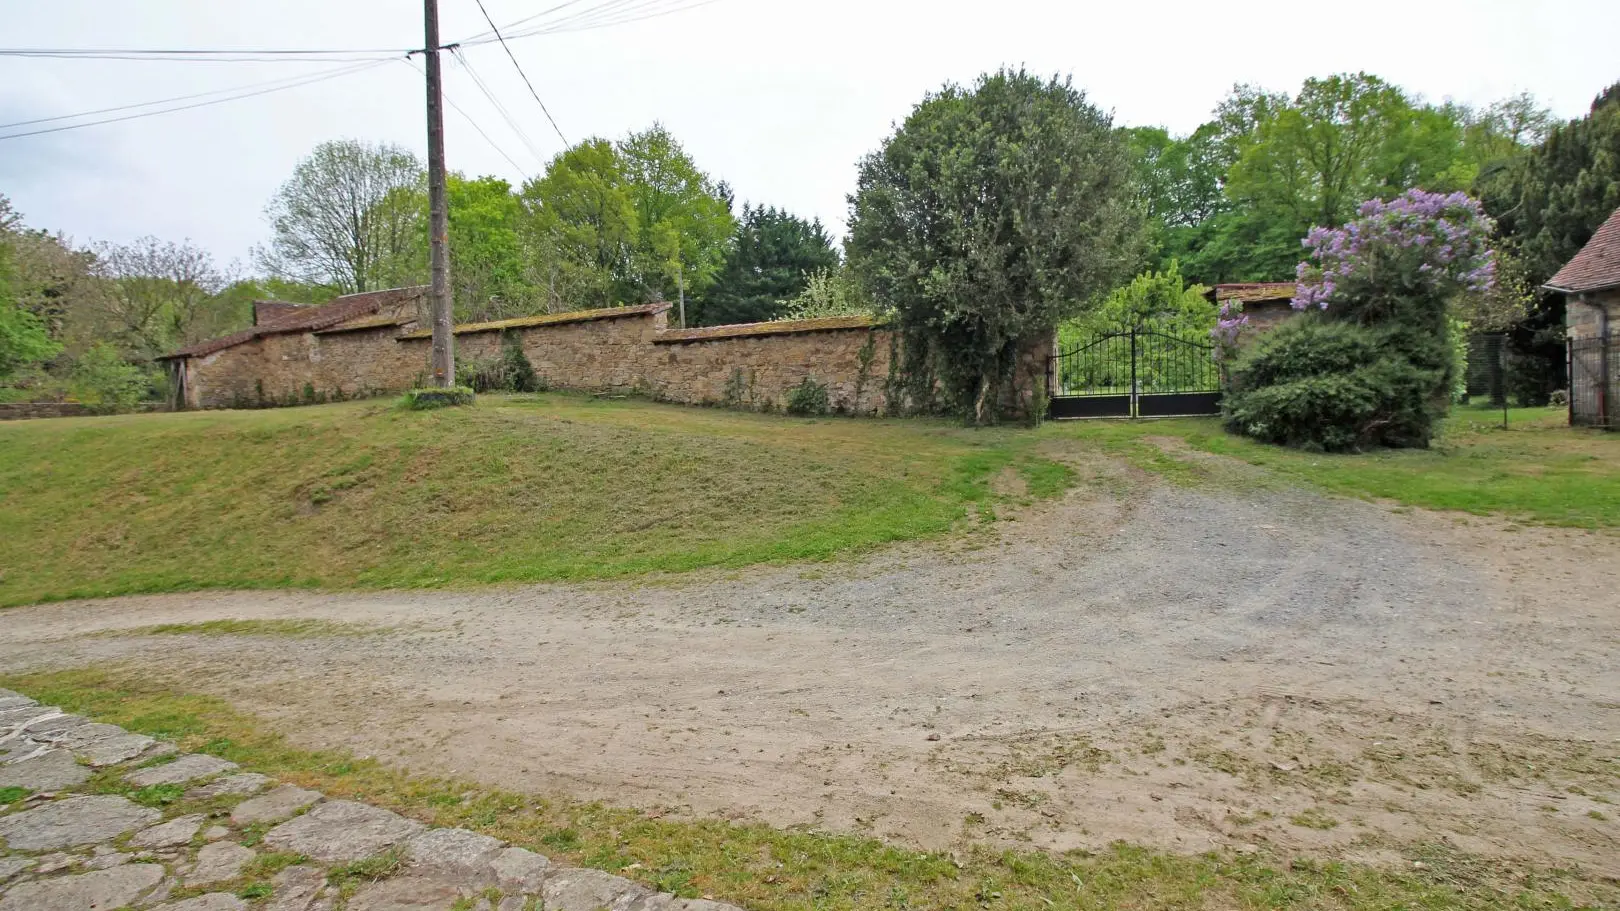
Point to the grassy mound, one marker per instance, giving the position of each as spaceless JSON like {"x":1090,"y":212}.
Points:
{"x":362,"y":494}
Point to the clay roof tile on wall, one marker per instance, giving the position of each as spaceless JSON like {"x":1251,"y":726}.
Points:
{"x":1597,"y":266}
{"x":308,"y":319}
{"x":1252,"y":292}
{"x":548,"y":319}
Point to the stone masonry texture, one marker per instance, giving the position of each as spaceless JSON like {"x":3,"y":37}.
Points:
{"x":628,"y":350}
{"x":66,"y":851}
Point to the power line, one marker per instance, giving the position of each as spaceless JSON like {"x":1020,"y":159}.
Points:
{"x":513,"y":58}
{"x":474,"y":123}
{"x":148,"y":104}
{"x":531,"y":18}
{"x":625,"y":18}
{"x":232,"y":58}
{"x":191,"y":52}
{"x":604,"y":15}
{"x":237,"y":96}
{"x":506,"y":114}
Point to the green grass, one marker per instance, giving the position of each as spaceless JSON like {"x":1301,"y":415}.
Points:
{"x":769,"y":869}
{"x":1537,"y":470}
{"x":530,"y":488}
{"x":13,"y":794}
{"x":290,"y":628}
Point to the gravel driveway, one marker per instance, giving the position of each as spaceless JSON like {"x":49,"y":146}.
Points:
{"x":1235,"y":665}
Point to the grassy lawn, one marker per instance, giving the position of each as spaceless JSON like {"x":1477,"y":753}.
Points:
{"x":1537,"y":470}
{"x":770,"y":869}
{"x":526,"y":488}
{"x":553,"y":487}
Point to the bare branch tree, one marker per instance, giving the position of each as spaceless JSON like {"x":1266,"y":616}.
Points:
{"x":350,"y":216}
{"x":155,"y":290}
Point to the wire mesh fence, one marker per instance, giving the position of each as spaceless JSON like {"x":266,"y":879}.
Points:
{"x":1594,"y":382}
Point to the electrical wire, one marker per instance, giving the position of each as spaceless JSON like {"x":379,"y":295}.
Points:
{"x":231,"y":58}
{"x":148,"y":104}
{"x":199,"y":53}
{"x":474,"y":123}
{"x":603,"y":15}
{"x":506,"y":114}
{"x":525,"y":19}
{"x":519,"y":66}
{"x":626,"y":18}
{"x":237,"y":95}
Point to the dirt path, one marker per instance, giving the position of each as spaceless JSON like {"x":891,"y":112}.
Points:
{"x":1179,"y":668}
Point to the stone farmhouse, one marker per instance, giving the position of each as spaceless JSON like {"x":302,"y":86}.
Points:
{"x":1590,"y":283}
{"x":379,"y":342}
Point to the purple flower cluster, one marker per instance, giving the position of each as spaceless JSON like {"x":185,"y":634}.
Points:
{"x":1439,"y":241}
{"x":1228,"y":327}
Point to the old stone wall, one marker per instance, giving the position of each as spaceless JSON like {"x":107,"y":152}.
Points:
{"x":760,"y":372}
{"x":1585,"y":315}
{"x":23,"y":411}
{"x":625,"y":351}
{"x":291,"y":367}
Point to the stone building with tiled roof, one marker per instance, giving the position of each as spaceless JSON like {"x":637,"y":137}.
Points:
{"x":291,"y":346}
{"x":1590,"y":283}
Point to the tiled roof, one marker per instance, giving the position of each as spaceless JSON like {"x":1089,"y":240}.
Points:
{"x":370,"y":322}
{"x":547,"y":319}
{"x":1252,"y":292}
{"x":780,"y":327}
{"x":308,"y":319}
{"x":270,"y":311}
{"x":1597,"y":266}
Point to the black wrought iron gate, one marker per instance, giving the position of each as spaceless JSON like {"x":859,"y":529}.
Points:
{"x":1140,"y":373}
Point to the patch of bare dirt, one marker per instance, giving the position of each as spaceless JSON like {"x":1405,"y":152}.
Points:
{"x":1178,"y":668}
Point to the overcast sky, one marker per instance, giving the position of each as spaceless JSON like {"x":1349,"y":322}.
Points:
{"x":778,"y":97}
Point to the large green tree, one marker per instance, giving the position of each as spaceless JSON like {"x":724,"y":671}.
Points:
{"x":987,"y":217}
{"x":1548,"y":202}
{"x":769,"y":262}
{"x":581,"y":223}
{"x":613,"y":223}
{"x":490,"y":275}
{"x":24,"y":341}
{"x":683,"y":218}
{"x":1283,"y":164}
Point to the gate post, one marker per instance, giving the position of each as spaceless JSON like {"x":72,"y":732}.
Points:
{"x":1134,"y":390}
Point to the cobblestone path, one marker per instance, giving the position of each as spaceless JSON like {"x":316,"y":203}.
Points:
{"x":72,"y":839}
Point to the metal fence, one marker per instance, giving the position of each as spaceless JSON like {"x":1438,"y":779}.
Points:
{"x":1594,"y":382}
{"x":1486,"y":376}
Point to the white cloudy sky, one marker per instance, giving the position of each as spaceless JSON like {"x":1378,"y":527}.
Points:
{"x":779,"y":97}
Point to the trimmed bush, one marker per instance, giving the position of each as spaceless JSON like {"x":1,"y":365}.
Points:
{"x":1374,"y":362}
{"x":428,"y":399}
{"x":1333,"y":386}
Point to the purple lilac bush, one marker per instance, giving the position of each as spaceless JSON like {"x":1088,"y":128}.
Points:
{"x":1372,"y":363}
{"x":1431,"y":244}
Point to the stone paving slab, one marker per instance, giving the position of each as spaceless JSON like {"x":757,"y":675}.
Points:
{"x":51,"y":770}
{"x":177,"y":831}
{"x":182,"y":770}
{"x":212,"y":901}
{"x":342,"y":831}
{"x":69,"y":852}
{"x":74,"y":821}
{"x":243,"y":783}
{"x":274,"y":806}
{"x":103,"y":744}
{"x":94,"y":891}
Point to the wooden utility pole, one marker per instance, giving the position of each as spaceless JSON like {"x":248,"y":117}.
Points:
{"x":444,"y":353}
